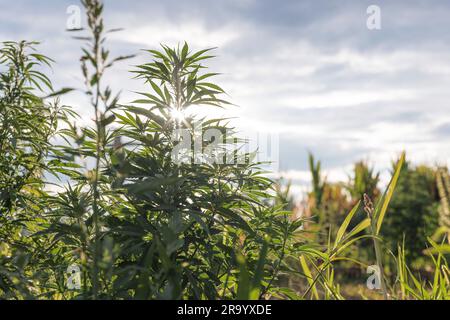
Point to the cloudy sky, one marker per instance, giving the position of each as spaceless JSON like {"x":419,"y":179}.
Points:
{"x":309,"y":72}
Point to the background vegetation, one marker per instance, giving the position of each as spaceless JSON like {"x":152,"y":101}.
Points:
{"x":139,"y":225}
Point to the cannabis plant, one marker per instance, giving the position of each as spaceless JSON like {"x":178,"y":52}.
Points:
{"x":189,"y":229}
{"x":28,"y":122}
{"x":140,"y":223}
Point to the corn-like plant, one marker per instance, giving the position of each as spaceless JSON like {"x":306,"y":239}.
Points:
{"x":318,"y":183}
{"x":77,"y":214}
{"x":28,"y":122}
{"x":364,"y":181}
{"x":324,"y":271}
{"x":139,"y":224}
{"x":411,"y":286}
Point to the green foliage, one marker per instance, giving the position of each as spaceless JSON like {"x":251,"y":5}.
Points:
{"x":411,"y":286}
{"x":443,"y":186}
{"x":141,"y":224}
{"x":328,"y":202}
{"x":319,"y":267}
{"x":317,"y":183}
{"x":283,"y":195}
{"x":337,"y":251}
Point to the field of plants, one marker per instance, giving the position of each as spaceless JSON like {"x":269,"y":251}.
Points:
{"x":105,"y":212}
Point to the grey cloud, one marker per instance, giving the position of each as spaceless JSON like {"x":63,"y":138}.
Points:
{"x":443,"y":131}
{"x":294,"y":152}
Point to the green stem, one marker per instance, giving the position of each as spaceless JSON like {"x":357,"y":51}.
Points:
{"x":96,"y":101}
